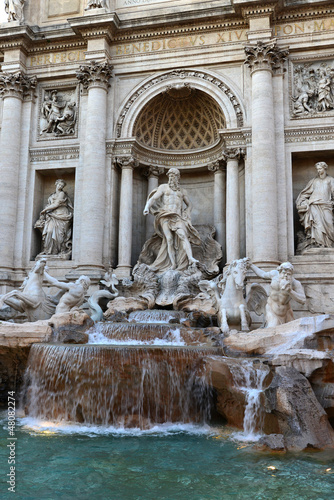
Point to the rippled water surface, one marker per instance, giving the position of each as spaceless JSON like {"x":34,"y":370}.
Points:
{"x":168,"y":462}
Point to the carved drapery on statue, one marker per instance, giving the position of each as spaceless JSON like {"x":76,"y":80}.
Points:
{"x":315,"y":208}
{"x":14,"y":9}
{"x":55,"y":223}
{"x":313,"y":89}
{"x":58,"y":114}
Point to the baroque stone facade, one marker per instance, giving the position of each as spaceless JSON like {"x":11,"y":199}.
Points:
{"x":108,"y":96}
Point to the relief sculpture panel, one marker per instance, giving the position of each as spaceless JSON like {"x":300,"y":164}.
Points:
{"x":313,"y":89}
{"x":58,"y":113}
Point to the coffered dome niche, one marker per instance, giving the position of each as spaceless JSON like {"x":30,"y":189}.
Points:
{"x":179,"y":119}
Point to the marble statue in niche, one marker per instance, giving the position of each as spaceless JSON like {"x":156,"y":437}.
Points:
{"x":58,"y":114}
{"x":315,"y":208}
{"x":170,"y":205}
{"x":283,"y":288}
{"x":14,"y":9}
{"x":314,"y":89}
{"x":55,"y":223}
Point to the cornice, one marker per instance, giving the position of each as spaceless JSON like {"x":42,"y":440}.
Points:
{"x":57,"y":153}
{"x":308,"y":134}
{"x":304,"y":13}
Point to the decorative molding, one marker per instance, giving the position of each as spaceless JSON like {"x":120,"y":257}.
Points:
{"x":159,"y":158}
{"x":57,"y":46}
{"x":51,"y":154}
{"x":258,"y":11}
{"x":265,"y":56}
{"x":182,"y":75}
{"x":16,"y":84}
{"x":304,"y":13}
{"x":95,"y":74}
{"x":309,"y":134}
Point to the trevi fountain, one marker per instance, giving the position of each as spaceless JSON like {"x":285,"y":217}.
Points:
{"x":167,"y":249}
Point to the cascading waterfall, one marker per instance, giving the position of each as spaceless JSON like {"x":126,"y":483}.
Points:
{"x":249,"y":377}
{"x":119,"y":386}
{"x":156,"y":316}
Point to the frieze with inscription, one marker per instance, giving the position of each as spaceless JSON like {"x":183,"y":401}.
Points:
{"x":313,"y":88}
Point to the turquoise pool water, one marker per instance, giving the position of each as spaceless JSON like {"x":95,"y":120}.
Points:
{"x":168,"y":462}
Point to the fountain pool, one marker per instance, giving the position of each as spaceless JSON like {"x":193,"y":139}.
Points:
{"x":166,"y":462}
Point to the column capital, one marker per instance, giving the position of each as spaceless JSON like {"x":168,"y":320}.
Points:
{"x":16,"y":84}
{"x":215,"y":166}
{"x":265,"y":56}
{"x":127,"y":162}
{"x":154,"y":171}
{"x":95,"y":74}
{"x":233,"y":154}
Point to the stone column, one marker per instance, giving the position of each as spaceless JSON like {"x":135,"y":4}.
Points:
{"x":262,"y":59}
{"x":153,"y":182}
{"x":125,"y":217}
{"x":219,"y":202}
{"x":13,"y":87}
{"x":232,"y":156}
{"x":94,"y":77}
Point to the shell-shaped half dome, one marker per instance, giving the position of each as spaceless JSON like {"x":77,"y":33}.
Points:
{"x":179,"y":119}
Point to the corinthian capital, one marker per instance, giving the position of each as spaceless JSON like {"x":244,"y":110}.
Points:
{"x":215,"y":166}
{"x":233,"y":154}
{"x":265,"y":56}
{"x":127,"y":162}
{"x":95,"y":74}
{"x":154,"y":171}
{"x":16,"y":84}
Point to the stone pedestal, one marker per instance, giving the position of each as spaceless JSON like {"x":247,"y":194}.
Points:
{"x":95,"y":77}
{"x":262,"y":59}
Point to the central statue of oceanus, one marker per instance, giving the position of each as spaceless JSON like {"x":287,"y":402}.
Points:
{"x":170,"y":205}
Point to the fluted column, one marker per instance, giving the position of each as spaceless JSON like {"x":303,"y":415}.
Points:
{"x":219,"y":201}
{"x":125,"y":217}
{"x":13,"y":87}
{"x":262,"y":59}
{"x":94,"y":77}
{"x":152,"y":174}
{"x":232,"y":156}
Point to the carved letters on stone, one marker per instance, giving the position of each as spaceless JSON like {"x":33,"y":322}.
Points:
{"x":313,"y":89}
{"x":265,"y":56}
{"x":58,"y":114}
{"x":16,"y":84}
{"x":95,"y":74}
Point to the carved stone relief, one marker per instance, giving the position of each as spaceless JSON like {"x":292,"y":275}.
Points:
{"x":14,"y":10}
{"x":95,"y":4}
{"x":58,"y":113}
{"x":182,"y":75}
{"x":313,"y":88}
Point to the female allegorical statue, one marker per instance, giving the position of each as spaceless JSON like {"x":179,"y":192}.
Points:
{"x":55,"y":223}
{"x":315,"y":208}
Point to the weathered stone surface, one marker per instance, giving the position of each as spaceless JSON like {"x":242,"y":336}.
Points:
{"x":125,"y":304}
{"x":71,"y":327}
{"x":300,"y":417}
{"x":13,"y":362}
{"x":25,"y":334}
{"x":273,"y":442}
{"x":297,"y":334}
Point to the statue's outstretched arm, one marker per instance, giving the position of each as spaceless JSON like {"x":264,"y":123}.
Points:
{"x":53,"y":281}
{"x":262,"y":274}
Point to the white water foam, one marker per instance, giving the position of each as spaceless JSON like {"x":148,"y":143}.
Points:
{"x":171,"y":338}
{"x":37,"y":426}
{"x":249,"y":379}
